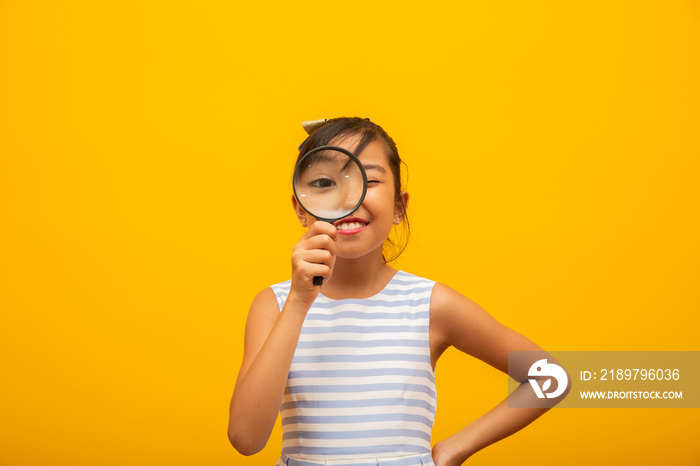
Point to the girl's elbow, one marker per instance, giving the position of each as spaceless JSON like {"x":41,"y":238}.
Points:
{"x":244,"y":442}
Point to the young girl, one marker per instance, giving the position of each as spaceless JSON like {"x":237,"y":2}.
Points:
{"x":350,"y":364}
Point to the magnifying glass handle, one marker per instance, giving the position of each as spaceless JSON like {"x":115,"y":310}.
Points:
{"x":318,"y":281}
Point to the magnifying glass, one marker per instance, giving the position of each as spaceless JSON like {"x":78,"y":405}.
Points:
{"x":329,"y":183}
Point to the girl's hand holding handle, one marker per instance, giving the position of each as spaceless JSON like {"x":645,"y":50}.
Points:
{"x":313,"y":255}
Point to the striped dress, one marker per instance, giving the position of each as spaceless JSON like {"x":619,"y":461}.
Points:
{"x":361,"y":388}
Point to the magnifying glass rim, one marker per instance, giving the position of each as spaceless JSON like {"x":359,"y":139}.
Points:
{"x":349,"y":154}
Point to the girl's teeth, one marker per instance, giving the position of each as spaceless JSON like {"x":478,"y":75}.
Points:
{"x":349,"y":225}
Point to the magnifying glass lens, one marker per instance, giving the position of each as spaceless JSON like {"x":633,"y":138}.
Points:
{"x":329,"y":183}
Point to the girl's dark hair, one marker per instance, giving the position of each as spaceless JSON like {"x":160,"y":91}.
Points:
{"x":337,"y":129}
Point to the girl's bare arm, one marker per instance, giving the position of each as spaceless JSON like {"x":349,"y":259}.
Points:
{"x":270,"y":340}
{"x":271,"y":337}
{"x":458,"y":321}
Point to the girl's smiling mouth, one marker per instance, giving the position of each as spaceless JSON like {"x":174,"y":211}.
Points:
{"x":348,"y":226}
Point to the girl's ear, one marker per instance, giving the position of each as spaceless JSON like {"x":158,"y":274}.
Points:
{"x":398,"y":211}
{"x":301,"y":213}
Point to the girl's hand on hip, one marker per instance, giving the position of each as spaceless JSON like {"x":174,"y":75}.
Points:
{"x":313,"y":255}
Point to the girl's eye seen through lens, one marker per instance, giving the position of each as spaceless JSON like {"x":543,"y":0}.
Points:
{"x":322,"y":183}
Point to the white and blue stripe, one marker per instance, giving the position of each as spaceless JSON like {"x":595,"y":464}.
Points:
{"x":361,"y":388}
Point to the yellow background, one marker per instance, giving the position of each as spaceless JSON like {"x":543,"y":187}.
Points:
{"x":146,"y":150}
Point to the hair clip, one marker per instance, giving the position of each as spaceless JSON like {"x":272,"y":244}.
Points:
{"x":311,"y":125}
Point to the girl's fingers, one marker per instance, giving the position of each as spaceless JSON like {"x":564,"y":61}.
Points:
{"x":318,"y":256}
{"x":313,"y":256}
{"x":320,"y":242}
{"x":318,"y":270}
{"x":321,"y":228}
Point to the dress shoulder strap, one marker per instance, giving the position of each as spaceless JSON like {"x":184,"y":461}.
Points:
{"x":281,"y":291}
